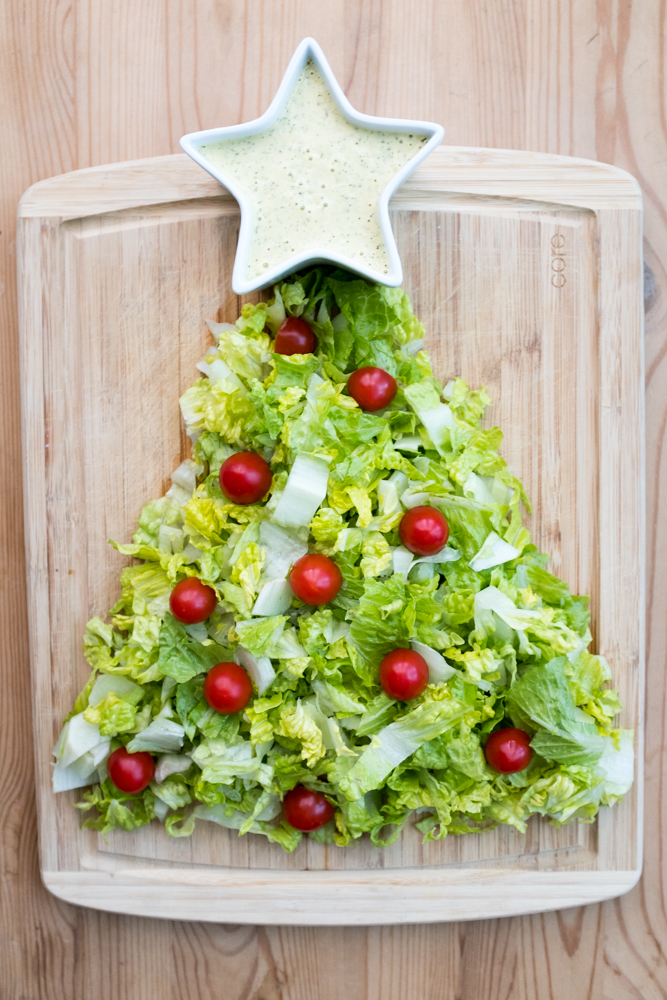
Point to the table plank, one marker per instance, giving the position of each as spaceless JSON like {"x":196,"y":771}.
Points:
{"x":86,"y":83}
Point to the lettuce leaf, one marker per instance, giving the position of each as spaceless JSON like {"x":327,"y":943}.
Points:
{"x":397,"y":741}
{"x":182,"y":657}
{"x":541,"y":699}
{"x":503,"y":638}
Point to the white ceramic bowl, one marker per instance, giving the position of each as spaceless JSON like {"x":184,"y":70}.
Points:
{"x":191,"y":143}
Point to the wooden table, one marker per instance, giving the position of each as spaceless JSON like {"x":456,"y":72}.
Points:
{"x":96,"y":81}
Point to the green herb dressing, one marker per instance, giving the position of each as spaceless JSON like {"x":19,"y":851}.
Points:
{"x":314,"y":180}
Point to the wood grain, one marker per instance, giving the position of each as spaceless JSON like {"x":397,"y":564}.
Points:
{"x":111,"y":315}
{"x":578,"y":77}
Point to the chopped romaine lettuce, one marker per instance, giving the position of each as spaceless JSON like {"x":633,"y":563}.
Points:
{"x":305,"y":489}
{"x":504,"y":639}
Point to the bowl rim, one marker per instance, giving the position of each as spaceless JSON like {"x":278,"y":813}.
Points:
{"x":192,"y":142}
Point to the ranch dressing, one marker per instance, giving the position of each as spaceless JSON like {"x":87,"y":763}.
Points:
{"x":314,"y":180}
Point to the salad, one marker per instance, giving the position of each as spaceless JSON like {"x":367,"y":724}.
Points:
{"x":336,"y":621}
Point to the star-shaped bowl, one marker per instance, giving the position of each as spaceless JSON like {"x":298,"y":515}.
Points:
{"x":264,"y":256}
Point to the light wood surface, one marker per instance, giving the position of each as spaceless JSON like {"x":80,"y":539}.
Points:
{"x":519,"y":289}
{"x":88,"y":83}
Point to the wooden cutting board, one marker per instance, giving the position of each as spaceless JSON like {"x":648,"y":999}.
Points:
{"x":526,"y":270}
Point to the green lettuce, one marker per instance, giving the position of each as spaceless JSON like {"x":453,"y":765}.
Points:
{"x":541,"y":699}
{"x":397,"y":741}
{"x":181,"y":656}
{"x":504,"y":639}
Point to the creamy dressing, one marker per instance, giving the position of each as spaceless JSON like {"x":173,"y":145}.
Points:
{"x":314,"y":180}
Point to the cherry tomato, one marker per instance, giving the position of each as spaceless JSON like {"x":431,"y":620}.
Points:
{"x":227,"y":688}
{"x":403,"y":674}
{"x":315,"y":579}
{"x":423,"y":530}
{"x":508,"y":750}
{"x":372,"y":388}
{"x":245,"y":478}
{"x":306,"y":810}
{"x":192,"y":601}
{"x":294,"y":337}
{"x":131,"y":772}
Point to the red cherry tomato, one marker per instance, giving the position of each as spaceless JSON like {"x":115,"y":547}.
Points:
{"x":372,"y":388}
{"x":245,"y":478}
{"x":130,"y":772}
{"x":294,"y":337}
{"x":306,"y":810}
{"x":315,"y":579}
{"x":192,"y":601}
{"x":423,"y":530}
{"x":403,"y":674}
{"x":227,"y":688}
{"x":508,"y":750}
